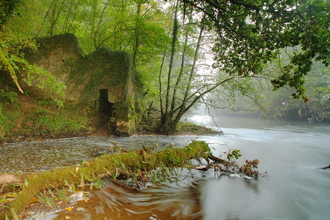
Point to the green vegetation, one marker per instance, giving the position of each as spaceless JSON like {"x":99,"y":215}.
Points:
{"x":22,"y":116}
{"x":183,"y":128}
{"x":132,"y":164}
{"x":280,"y":105}
{"x":188,"y":127}
{"x":245,"y":38}
{"x":140,"y":166}
{"x":15,"y":40}
{"x":262,"y":100}
{"x":43,"y":122}
{"x":9,"y":111}
{"x":172,"y":44}
{"x":183,"y":52}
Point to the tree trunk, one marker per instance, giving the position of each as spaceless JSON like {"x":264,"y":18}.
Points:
{"x":166,"y":126}
{"x":170,"y":119}
{"x":170,"y":69}
{"x":137,"y":33}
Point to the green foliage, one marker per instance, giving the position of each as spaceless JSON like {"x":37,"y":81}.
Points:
{"x":45,"y":80}
{"x":6,"y":10}
{"x":317,"y":91}
{"x":234,"y":154}
{"x":18,"y":113}
{"x":258,"y":30}
{"x":9,"y":111}
{"x":62,"y":194}
{"x":47,"y":123}
{"x":244,"y":38}
{"x":17,"y":36}
{"x":3,"y":123}
{"x":188,"y":127}
{"x":45,"y":199}
{"x":173,"y":159}
{"x":7,"y":95}
{"x":280,"y":105}
{"x":97,"y":24}
{"x":260,"y":98}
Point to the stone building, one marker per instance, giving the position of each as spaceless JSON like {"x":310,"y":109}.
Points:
{"x":104,"y":80}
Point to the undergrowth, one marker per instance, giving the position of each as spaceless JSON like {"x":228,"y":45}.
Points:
{"x":24,"y":116}
{"x":45,"y":123}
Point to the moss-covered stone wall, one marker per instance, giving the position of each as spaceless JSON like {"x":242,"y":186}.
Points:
{"x":85,"y":75}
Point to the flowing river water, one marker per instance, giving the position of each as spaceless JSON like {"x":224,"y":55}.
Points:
{"x":294,"y":187}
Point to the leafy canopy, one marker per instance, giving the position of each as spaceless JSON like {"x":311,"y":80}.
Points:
{"x":16,"y":35}
{"x":251,"y":33}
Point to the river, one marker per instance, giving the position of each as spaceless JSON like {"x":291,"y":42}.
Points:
{"x":291,"y":153}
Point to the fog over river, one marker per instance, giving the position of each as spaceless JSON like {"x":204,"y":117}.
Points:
{"x":291,"y":153}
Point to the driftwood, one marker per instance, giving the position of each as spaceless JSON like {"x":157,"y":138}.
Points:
{"x":217,"y":159}
{"x":324,"y":168}
{"x":108,"y":165}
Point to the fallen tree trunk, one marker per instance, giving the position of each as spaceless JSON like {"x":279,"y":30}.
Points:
{"x":114,"y":164}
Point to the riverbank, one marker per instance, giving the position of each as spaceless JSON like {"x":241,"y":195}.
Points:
{"x":23,"y":117}
{"x":184,"y":128}
{"x":149,"y":127}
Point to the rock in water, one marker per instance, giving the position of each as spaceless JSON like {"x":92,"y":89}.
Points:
{"x":234,"y":175}
{"x":9,"y":178}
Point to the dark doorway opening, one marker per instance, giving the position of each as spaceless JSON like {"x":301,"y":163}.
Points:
{"x":105,"y":108}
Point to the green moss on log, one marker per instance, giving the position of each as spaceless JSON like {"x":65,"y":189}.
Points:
{"x":92,"y":170}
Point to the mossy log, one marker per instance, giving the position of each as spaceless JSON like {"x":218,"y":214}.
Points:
{"x":143,"y":160}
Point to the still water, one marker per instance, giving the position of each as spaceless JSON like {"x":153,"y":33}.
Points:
{"x":294,"y":187}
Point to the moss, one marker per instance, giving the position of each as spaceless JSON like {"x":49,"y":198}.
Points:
{"x":103,"y":68}
{"x":133,"y":161}
{"x":49,"y":44}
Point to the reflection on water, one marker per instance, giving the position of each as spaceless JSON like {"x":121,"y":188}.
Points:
{"x":291,"y":153}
